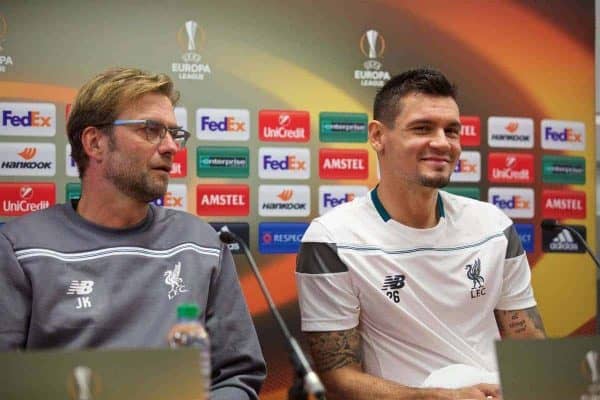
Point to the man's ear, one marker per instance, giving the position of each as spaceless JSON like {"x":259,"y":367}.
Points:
{"x":94,"y":141}
{"x":376,"y":132}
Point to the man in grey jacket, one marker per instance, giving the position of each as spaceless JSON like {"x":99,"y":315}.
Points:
{"x":110,"y":269}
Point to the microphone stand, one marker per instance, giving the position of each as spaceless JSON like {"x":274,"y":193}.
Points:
{"x":551,"y":224}
{"x":306,"y":381}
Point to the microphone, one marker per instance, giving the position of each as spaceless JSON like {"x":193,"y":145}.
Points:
{"x":311,"y":382}
{"x":552,"y":224}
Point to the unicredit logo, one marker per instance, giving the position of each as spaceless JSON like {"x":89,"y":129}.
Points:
{"x":223,"y":200}
{"x":179,"y":166}
{"x":343,"y":164}
{"x":510,"y":168}
{"x":284,"y":126}
{"x":22,"y":198}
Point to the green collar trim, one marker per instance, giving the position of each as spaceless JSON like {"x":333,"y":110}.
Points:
{"x":385,"y":216}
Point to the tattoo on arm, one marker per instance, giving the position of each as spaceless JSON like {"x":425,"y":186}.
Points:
{"x":520,"y":323}
{"x":337,"y":349}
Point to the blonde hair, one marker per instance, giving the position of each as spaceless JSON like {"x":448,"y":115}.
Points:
{"x":100,"y":100}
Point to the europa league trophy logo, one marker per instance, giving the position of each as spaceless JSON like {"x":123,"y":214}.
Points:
{"x":372,"y":46}
{"x":591,"y":370}
{"x":83,"y":384}
{"x":190,"y":38}
{"x":3,"y":30}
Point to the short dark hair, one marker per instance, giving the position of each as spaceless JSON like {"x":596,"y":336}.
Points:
{"x":386,"y":106}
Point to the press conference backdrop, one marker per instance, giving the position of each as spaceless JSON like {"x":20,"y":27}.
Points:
{"x":278,"y":95}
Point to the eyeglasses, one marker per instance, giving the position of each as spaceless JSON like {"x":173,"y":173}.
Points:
{"x":155,"y":131}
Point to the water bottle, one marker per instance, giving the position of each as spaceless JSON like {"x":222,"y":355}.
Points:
{"x":189,"y":332}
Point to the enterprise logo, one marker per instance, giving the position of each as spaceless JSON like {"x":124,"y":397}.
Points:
{"x":222,"y":124}
{"x":283,"y":200}
{"x":343,"y":127}
{"x":510,"y":132}
{"x":222,"y":162}
{"x":563,"y":169}
{"x":28,"y":159}
{"x":27,"y":119}
{"x":280,"y":237}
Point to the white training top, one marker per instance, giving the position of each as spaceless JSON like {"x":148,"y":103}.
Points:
{"x":422,"y":299}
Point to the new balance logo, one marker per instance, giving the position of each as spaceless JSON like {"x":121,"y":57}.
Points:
{"x":391,"y":286}
{"x":81,"y":288}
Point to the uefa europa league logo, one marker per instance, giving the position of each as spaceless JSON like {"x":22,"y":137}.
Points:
{"x":591,"y":371}
{"x":190,"y":38}
{"x":372,"y":45}
{"x":3,"y":30}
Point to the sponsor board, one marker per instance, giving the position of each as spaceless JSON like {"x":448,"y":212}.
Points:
{"x":283,"y":126}
{"x":283,"y":163}
{"x":511,"y":168}
{"x":343,"y":127}
{"x":515,"y":202}
{"x":27,"y":119}
{"x":223,"y":200}
{"x":72,"y":191}
{"x":331,"y":196}
{"x":70,"y":165}
{"x":280,"y":237}
{"x":283,"y":200}
{"x":563,"y":204}
{"x":179,"y":165}
{"x":222,"y":124}
{"x":240,"y":229}
{"x":510,"y":132}
{"x":22,"y":198}
{"x":222,"y":162}
{"x":526,"y":233}
{"x":465,"y":191}
{"x":561,"y":240}
{"x":563,"y":169}
{"x":467,"y":168}
{"x":175,"y":197}
{"x":27,"y":159}
{"x":343,"y":164}
{"x":562,"y":135}
{"x":470,"y":131}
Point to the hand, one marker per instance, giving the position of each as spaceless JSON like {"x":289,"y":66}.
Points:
{"x":481,"y":391}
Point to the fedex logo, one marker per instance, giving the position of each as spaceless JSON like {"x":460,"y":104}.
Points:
{"x":563,"y":204}
{"x":179,"y":165}
{"x":284,"y":126}
{"x":563,"y":135}
{"x":22,"y":198}
{"x":223,"y":124}
{"x":343,"y":164}
{"x":515,"y":202}
{"x":223,"y":200}
{"x":28,"y":119}
{"x":283,"y":163}
{"x":511,"y":168}
{"x":175,"y":197}
{"x":468,"y":167}
{"x":334,"y":195}
{"x":470,"y":131}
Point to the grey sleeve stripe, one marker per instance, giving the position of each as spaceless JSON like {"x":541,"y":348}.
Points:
{"x":319,"y":258}
{"x":514,"y":247}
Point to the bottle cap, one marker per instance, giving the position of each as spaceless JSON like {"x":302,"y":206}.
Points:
{"x":188,"y":311}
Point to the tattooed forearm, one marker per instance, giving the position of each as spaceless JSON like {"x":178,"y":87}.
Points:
{"x":332,"y":350}
{"x":525,"y":323}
